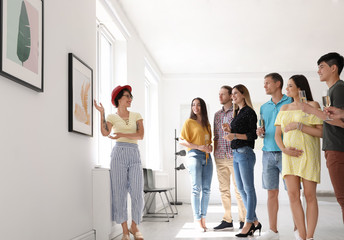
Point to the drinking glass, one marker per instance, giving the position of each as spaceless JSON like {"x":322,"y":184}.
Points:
{"x":303,"y":98}
{"x":326,"y":102}
{"x":225,"y":122}
{"x":261,"y":124}
{"x":225,"y":119}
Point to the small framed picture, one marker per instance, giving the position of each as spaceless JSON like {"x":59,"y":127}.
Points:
{"x":22,"y":42}
{"x":80,"y":95}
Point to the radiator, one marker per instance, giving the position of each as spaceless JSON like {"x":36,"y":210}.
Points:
{"x":161,"y":179}
{"x":102,"y":223}
{"x":91,"y":235}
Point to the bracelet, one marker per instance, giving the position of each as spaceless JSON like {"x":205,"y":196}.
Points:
{"x":299,"y":126}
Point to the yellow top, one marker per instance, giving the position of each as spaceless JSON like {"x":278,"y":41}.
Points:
{"x":195,"y":133}
{"x":306,"y":166}
{"x":119,"y":125}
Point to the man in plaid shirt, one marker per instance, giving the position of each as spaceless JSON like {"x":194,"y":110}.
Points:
{"x":224,"y":161}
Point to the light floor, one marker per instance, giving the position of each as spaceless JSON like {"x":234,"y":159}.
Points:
{"x":330,"y":225}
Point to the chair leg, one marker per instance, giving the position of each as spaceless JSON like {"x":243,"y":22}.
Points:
{"x":151,"y":201}
{"x":146,"y":201}
{"x":169,"y":204}
{"x":168,"y":217}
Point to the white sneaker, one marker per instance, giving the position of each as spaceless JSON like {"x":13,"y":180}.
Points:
{"x":269,"y":235}
{"x":296,"y":234}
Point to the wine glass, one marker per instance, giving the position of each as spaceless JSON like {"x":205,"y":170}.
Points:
{"x":326,"y":102}
{"x":225,"y":119}
{"x":225,"y":122}
{"x":303,"y":98}
{"x":261,"y":124}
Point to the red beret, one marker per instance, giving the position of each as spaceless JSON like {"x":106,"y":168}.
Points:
{"x":116,"y":90}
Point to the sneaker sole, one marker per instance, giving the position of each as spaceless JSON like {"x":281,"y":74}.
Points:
{"x":224,"y":229}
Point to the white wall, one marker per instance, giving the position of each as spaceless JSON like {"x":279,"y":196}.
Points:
{"x":180,"y":90}
{"x":45,"y":173}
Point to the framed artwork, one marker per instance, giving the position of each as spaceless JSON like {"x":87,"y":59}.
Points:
{"x":22,"y":42}
{"x":80,"y":95}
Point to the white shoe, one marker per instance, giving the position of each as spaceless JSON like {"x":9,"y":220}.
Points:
{"x":269,"y":235}
{"x":297,"y":235}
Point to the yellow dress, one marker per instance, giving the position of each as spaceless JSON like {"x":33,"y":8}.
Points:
{"x":306,"y":166}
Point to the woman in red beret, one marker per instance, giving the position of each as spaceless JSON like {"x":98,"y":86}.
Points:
{"x":126,"y":169}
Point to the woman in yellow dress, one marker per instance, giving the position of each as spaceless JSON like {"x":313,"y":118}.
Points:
{"x":300,"y":154}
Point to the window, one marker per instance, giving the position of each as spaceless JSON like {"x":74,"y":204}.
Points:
{"x":104,"y":87}
{"x":111,"y":68}
{"x":153,"y":159}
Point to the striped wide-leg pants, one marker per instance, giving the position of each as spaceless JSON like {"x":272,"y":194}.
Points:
{"x":126,"y":177}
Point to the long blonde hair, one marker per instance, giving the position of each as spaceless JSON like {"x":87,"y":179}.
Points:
{"x":244,"y":91}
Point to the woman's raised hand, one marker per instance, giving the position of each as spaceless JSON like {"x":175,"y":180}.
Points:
{"x":99,"y":107}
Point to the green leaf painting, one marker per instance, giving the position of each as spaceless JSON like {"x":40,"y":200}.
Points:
{"x":24,"y":37}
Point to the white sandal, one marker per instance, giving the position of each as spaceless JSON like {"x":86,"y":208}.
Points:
{"x":137,"y":235}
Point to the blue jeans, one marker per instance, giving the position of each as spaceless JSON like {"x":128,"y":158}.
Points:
{"x":201,"y":175}
{"x":244,"y":161}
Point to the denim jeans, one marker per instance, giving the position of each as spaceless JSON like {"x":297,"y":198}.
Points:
{"x":244,"y":161}
{"x":272,"y":168}
{"x":201,"y":174}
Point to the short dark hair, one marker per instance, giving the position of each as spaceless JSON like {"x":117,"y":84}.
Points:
{"x":302,"y":83}
{"x":120,"y":94}
{"x":229,"y":89}
{"x":333,"y":58}
{"x":276,"y":77}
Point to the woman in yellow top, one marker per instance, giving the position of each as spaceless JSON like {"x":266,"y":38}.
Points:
{"x":126,"y":169}
{"x":300,"y":154}
{"x":196,"y":136}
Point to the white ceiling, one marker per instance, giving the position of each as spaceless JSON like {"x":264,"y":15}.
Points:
{"x":227,"y":36}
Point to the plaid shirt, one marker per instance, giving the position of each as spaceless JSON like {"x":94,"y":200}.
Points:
{"x":223,"y":149}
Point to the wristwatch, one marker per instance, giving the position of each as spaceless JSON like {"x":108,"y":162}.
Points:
{"x":235,"y":137}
